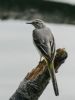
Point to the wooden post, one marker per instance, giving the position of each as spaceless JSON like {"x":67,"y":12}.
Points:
{"x":36,"y":81}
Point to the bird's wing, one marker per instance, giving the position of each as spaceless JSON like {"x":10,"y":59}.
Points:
{"x":42,"y":44}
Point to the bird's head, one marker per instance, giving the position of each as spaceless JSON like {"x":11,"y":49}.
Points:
{"x":37,"y":23}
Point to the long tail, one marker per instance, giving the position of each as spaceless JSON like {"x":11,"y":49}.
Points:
{"x":52,"y":74}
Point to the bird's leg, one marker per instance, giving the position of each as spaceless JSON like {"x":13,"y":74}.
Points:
{"x":46,"y":60}
{"x":40,"y":58}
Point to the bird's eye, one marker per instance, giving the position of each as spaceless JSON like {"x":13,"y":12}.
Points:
{"x":36,"y":22}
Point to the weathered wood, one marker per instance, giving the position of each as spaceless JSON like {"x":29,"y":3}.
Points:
{"x":36,"y":81}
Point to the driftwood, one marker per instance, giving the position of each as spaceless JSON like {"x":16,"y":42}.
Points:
{"x":36,"y":81}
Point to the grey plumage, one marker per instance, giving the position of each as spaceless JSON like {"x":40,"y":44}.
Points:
{"x":44,"y":40}
{"x":45,"y":43}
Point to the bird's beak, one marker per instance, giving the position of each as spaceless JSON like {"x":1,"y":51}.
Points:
{"x":29,"y":22}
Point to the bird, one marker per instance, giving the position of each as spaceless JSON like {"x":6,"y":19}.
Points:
{"x":44,"y":41}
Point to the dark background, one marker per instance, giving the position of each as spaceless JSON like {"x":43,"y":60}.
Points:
{"x":29,"y":9}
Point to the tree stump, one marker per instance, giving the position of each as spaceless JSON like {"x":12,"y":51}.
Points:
{"x":36,"y":81}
